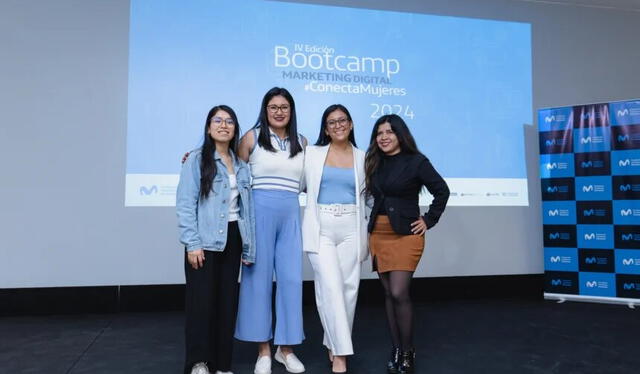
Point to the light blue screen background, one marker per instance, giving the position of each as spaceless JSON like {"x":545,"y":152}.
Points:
{"x":468,"y":81}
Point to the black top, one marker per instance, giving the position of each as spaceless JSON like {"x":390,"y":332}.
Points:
{"x":396,"y":186}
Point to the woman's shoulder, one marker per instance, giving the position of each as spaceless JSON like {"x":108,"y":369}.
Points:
{"x":194,"y":155}
{"x":313,"y":149}
{"x":416,"y":158}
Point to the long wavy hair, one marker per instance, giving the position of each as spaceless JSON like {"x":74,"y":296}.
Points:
{"x":374,"y":156}
{"x":264,"y":138}
{"x":208,"y":167}
{"x":323,"y":138}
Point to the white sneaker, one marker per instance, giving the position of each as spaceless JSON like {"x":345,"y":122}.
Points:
{"x":200,"y":368}
{"x":290,"y":362}
{"x":224,"y":372}
{"x":263,"y":365}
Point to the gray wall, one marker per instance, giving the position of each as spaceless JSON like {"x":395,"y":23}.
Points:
{"x":63,"y":101}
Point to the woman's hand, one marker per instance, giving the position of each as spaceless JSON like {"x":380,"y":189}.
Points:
{"x":184,"y":158}
{"x":196,"y":258}
{"x":419,"y":227}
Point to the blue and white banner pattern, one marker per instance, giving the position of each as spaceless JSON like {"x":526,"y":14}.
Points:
{"x":590,"y":170}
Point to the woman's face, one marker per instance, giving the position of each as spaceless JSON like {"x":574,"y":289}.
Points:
{"x":387,"y":140}
{"x":222,"y":128}
{"x":278,"y":112}
{"x":337,"y":126}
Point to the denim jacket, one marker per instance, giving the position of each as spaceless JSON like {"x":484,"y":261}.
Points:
{"x":203,"y":223}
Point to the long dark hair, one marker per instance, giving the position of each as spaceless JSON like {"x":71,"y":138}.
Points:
{"x":264,"y":138}
{"x":208,"y":167}
{"x":323,"y":138}
{"x":374,"y":154}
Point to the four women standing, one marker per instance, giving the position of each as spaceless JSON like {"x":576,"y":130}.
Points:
{"x":334,"y":232}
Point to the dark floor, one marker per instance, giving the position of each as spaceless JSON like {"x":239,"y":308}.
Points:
{"x":451,"y":337}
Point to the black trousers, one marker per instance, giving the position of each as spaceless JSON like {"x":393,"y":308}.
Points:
{"x":211,"y":305}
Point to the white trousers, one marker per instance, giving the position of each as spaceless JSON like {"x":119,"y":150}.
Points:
{"x":337,"y":277}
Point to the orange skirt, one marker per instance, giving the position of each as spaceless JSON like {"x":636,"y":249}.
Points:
{"x":391,"y":251}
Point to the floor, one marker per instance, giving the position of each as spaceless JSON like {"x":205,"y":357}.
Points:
{"x":451,"y":337}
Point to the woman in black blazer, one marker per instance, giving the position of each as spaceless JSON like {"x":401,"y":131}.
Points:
{"x":395,"y":174}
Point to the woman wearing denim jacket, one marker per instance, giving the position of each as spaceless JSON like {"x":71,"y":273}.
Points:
{"x":215,"y":215}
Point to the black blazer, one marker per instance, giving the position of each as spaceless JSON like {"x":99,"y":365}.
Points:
{"x":398,"y":186}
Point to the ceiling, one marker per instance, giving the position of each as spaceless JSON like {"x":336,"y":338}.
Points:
{"x":611,"y":4}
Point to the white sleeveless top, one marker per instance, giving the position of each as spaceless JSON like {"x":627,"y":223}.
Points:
{"x":234,"y":207}
{"x":275,"y":170}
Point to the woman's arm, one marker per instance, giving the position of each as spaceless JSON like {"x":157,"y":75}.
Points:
{"x":437,"y":187}
{"x":187,"y":197}
{"x":247,"y":142}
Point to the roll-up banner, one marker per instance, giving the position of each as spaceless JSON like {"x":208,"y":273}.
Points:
{"x":590,"y":179}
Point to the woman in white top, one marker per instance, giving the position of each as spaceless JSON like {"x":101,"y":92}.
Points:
{"x":275,"y":154}
{"x":334,"y":228}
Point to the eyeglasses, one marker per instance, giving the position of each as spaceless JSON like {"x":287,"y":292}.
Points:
{"x":274,"y":108}
{"x":218,"y":121}
{"x":335,"y":122}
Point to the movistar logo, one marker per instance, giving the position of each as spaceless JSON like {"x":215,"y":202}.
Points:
{"x":626,"y":212}
{"x":556,"y":165}
{"x":623,"y":138}
{"x":594,"y":212}
{"x":626,"y":162}
{"x":590,"y":260}
{"x":554,"y":235}
{"x":556,"y":282}
{"x":623,"y":112}
{"x":552,"y":142}
{"x":592,"y":284}
{"x":629,"y":286}
{"x":627,"y":237}
{"x":558,"y":212}
{"x":555,"y":259}
{"x":628,"y":261}
{"x":591,"y":236}
{"x":148,"y":191}
{"x":552,"y":189}
{"x":549,"y":119}
{"x":593,"y":188}
{"x":586,"y":164}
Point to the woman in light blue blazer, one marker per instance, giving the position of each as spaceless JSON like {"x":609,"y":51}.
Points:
{"x":215,"y":215}
{"x":334,"y":228}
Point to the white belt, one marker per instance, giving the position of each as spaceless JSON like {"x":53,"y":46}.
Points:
{"x":337,"y":209}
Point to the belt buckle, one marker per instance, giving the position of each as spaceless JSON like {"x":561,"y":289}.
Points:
{"x":336,"y":208}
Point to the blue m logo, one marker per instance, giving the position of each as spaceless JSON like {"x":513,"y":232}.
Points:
{"x":148,"y":191}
